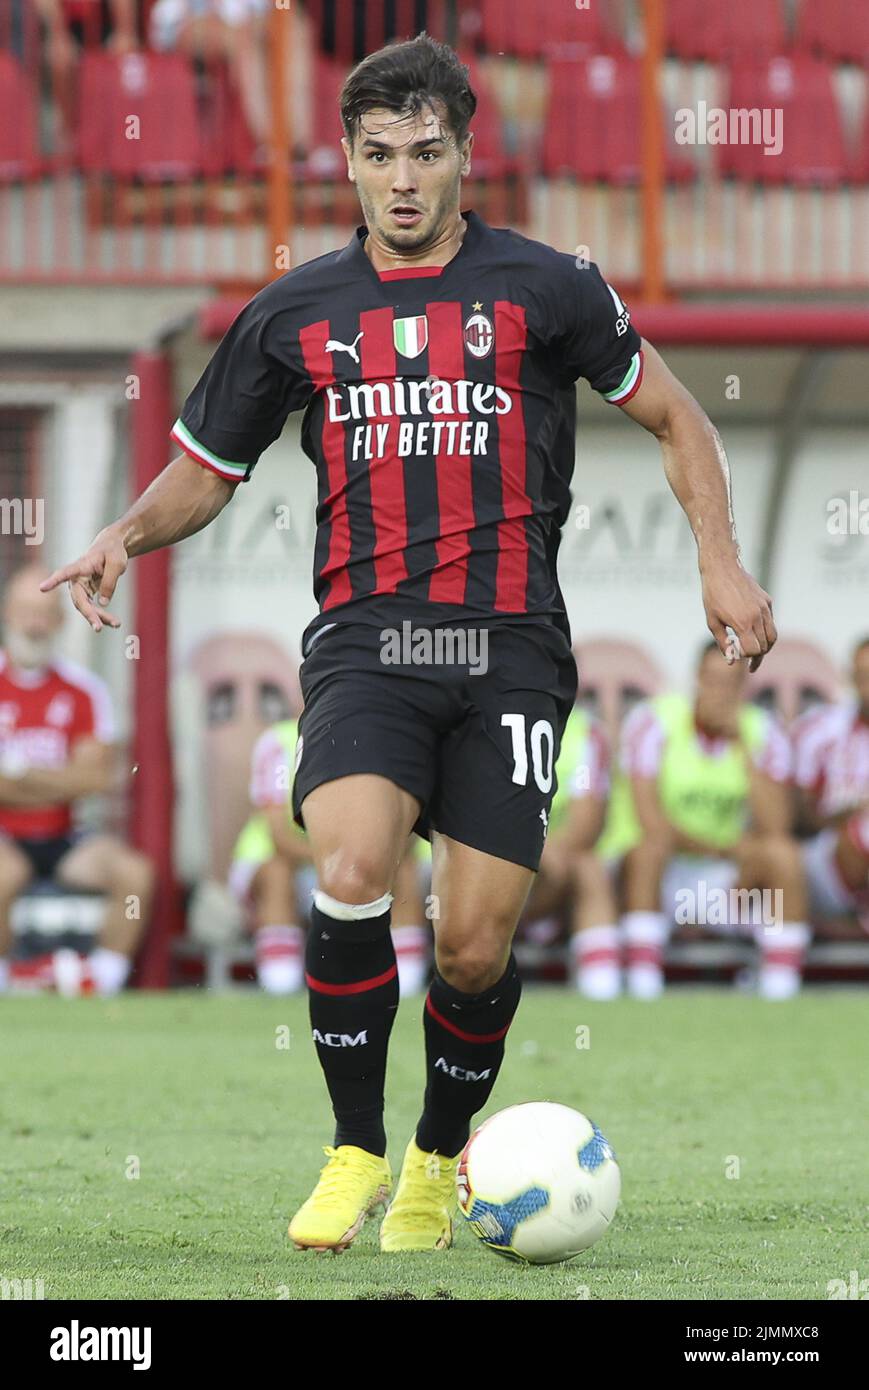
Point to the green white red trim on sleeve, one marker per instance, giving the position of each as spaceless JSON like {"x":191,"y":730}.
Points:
{"x":629,"y":384}
{"x":235,"y":472}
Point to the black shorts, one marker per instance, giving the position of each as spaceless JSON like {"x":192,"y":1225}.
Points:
{"x":474,"y":739}
{"x":45,"y":854}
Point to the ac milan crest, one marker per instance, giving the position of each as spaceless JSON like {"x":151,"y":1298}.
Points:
{"x":479,"y":335}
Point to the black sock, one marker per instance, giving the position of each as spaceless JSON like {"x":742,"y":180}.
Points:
{"x":352,"y":996}
{"x":464,"y":1046}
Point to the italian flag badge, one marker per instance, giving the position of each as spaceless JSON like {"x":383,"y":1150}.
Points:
{"x":410,"y":335}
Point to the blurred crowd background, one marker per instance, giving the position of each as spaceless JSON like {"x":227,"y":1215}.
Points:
{"x":159,"y":161}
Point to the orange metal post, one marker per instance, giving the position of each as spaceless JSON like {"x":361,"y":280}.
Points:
{"x":652,"y":189}
{"x":280,"y":184}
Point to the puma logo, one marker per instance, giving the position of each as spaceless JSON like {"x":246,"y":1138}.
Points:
{"x":334,"y":346}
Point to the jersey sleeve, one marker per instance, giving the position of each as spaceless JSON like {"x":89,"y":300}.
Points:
{"x":239,"y":405}
{"x":597,"y":340}
{"x":807,"y":749}
{"x":270,"y":774}
{"x":773,"y":755}
{"x":642,"y":742}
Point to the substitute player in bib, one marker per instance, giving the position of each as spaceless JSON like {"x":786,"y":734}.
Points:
{"x":436,"y":359}
{"x":831,"y":775}
{"x":710,"y":783}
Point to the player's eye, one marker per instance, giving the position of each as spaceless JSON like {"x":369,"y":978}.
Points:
{"x":376,"y":154}
{"x":429,"y":154}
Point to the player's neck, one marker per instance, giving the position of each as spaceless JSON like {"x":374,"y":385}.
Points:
{"x":439,"y":253}
{"x":26,"y":676}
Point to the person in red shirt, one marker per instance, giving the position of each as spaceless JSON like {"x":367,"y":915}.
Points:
{"x":56,"y":745}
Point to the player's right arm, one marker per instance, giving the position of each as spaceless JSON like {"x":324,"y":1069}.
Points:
{"x":183,"y":499}
{"x":238,"y":407}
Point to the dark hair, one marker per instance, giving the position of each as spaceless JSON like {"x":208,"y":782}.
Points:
{"x":404,"y":77}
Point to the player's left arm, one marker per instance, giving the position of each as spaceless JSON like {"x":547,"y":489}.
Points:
{"x":89,"y":771}
{"x":698,"y":473}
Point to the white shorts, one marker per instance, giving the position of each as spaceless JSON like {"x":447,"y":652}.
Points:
{"x":691,"y":894}
{"x":241,"y":876}
{"x":828,"y":895}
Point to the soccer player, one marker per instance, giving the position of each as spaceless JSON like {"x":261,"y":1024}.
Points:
{"x":56,"y":745}
{"x":710,"y":782}
{"x":831,"y":774}
{"x":436,"y":359}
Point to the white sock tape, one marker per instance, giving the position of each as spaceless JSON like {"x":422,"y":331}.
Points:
{"x":351,"y":912}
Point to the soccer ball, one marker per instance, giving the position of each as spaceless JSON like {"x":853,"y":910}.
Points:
{"x":538,"y":1182}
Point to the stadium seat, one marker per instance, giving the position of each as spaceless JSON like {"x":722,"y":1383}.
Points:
{"x":813,"y":149}
{"x":698,"y":30}
{"x":538,"y":28}
{"x":837,"y":29}
{"x":19,"y":150}
{"x":158,"y":89}
{"x":593,"y":129}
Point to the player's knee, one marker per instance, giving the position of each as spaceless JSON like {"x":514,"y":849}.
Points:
{"x":588,"y":872}
{"x":472,"y":965}
{"x":355,"y":877}
{"x":133,"y":871}
{"x":777,"y":858}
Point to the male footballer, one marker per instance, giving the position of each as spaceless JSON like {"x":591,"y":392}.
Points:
{"x":436,"y":359}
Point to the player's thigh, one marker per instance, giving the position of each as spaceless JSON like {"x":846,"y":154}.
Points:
{"x":476,"y":902}
{"x":357,"y":827}
{"x":103,"y":861}
{"x":496,"y":770}
{"x":366,"y":756}
{"x":16,"y":870}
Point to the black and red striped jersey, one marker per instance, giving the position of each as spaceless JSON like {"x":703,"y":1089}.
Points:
{"x":440,"y":414}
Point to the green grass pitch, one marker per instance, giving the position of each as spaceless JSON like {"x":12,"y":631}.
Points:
{"x":224,"y":1124}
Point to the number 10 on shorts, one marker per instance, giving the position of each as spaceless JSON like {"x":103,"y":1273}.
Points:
{"x":542,"y":743}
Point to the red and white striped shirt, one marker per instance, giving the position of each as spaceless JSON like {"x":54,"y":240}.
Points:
{"x":831,"y":757}
{"x":42,"y":716}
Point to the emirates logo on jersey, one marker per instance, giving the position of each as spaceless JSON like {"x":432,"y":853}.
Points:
{"x":410,"y":335}
{"x":59,"y":711}
{"x":479,"y":335}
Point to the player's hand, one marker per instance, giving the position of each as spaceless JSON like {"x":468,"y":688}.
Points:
{"x":733,"y":599}
{"x":93,"y":577}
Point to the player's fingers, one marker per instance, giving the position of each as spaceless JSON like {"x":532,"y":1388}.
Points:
{"x":112,"y":571}
{"x":82,"y":600}
{"x":719,"y":632}
{"x":76,"y":569}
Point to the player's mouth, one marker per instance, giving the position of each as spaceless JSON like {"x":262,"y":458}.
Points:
{"x":405,"y":216}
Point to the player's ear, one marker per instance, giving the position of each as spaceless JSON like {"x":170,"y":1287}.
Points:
{"x":466,"y":154}
{"x":345,"y":145}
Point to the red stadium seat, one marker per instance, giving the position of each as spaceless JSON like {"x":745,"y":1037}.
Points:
{"x":593,"y":124}
{"x":837,"y":29}
{"x":535,"y":28}
{"x":813,"y":145}
{"x":19,"y":150}
{"x":698,"y":29}
{"x":159,"y":90}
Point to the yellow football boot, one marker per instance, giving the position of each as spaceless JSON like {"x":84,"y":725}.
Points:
{"x":420,"y":1216}
{"x":352,"y":1184}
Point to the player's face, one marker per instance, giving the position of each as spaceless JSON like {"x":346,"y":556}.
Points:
{"x":861,"y":679}
{"x":408,"y":172}
{"x":719,"y":693}
{"x":30,"y":621}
